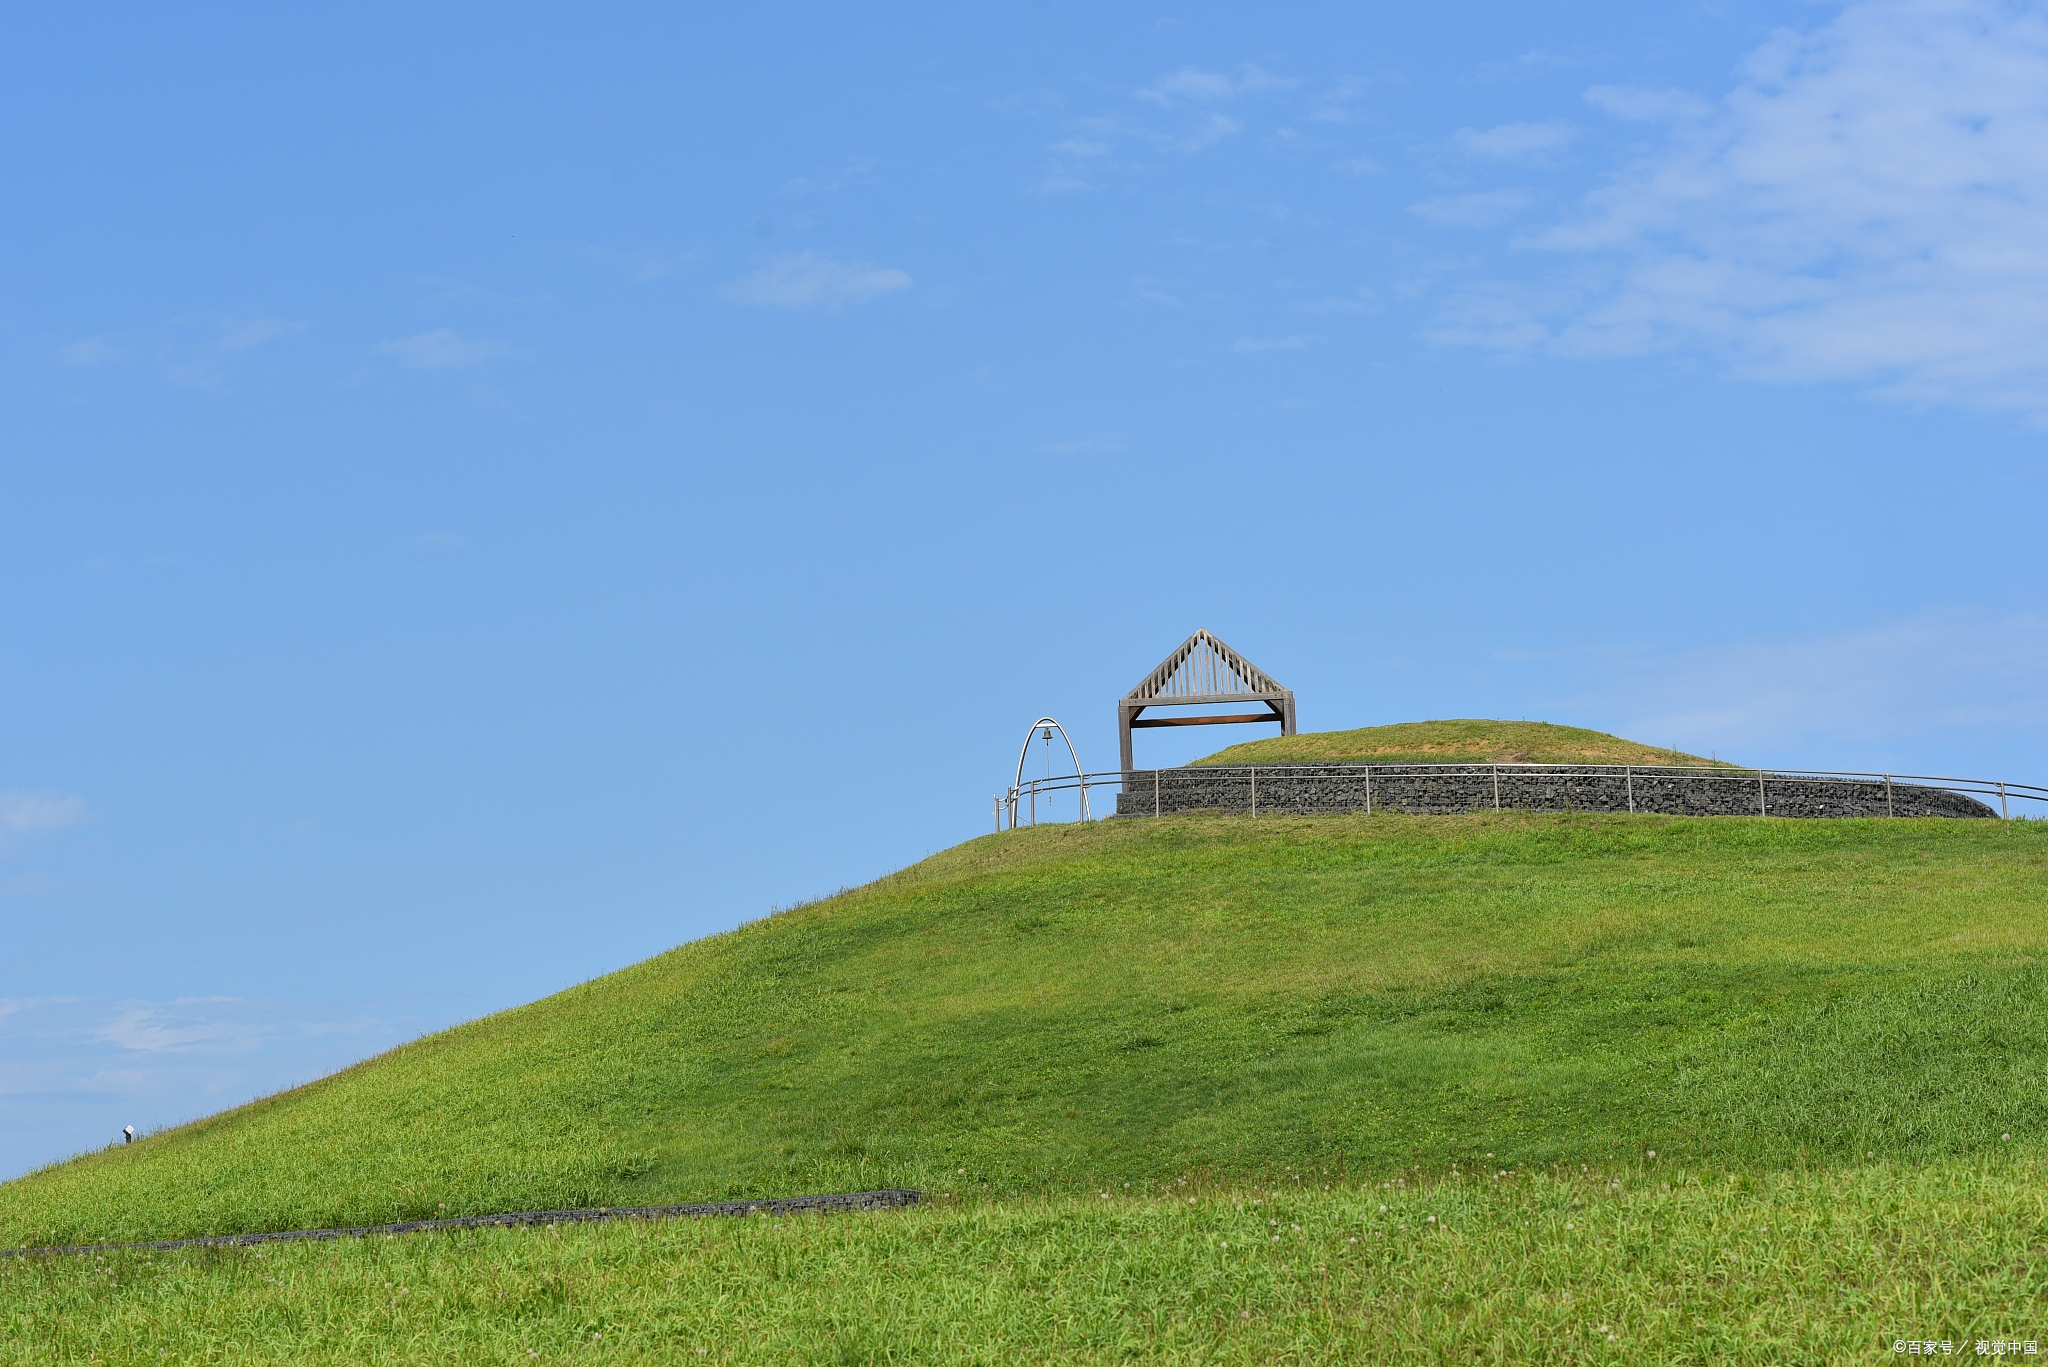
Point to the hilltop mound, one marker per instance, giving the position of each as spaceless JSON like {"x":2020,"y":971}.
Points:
{"x":1069,"y":1006}
{"x":1469,"y":741}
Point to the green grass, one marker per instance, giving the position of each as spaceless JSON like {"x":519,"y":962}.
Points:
{"x":1469,"y":741}
{"x":1060,"y":1007}
{"x":1649,"y":1261}
{"x":1846,"y":1018}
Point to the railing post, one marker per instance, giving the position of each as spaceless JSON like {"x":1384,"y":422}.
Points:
{"x":1496,"y":787}
{"x":1255,"y":792}
{"x":1888,"y":796}
{"x":1155,"y":792}
{"x":1628,"y":776}
{"x":1368,"y":790}
{"x":2004,"y":808}
{"x":1760,"y":792}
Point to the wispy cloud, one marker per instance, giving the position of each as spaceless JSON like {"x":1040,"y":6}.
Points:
{"x":1101,"y":443}
{"x":1337,"y":103}
{"x":183,"y":1026}
{"x":1357,"y":166}
{"x":39,"y":813}
{"x":1193,"y":85}
{"x":1514,"y":141}
{"x":1362,"y":300}
{"x":442,"y":349}
{"x":11,"y":1006}
{"x":854,"y":171}
{"x":240,"y":334}
{"x":804,"y":280}
{"x":1095,"y":139}
{"x":1088,"y":151}
{"x":1248,"y":345}
{"x":1869,"y":204}
{"x":1205,"y":134}
{"x":87,"y":351}
{"x":1841,"y":700}
{"x":75,"y":1069}
{"x":1640,"y":105}
{"x":213,"y":361}
{"x":1477,"y":209}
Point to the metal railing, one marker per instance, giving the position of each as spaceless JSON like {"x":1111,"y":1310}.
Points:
{"x":1019,"y":806}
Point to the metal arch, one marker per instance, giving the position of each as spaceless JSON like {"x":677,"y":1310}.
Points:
{"x":1073,"y":754}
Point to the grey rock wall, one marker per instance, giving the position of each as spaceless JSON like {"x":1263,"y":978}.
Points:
{"x":1442,"y":789}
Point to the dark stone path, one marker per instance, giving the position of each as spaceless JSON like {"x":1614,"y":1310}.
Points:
{"x":787,"y":1205}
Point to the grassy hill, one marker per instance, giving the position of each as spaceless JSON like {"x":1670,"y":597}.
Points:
{"x":1825,"y":1030}
{"x":1452,"y":742}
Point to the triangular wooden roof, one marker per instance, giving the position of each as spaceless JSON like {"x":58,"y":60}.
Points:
{"x":1206,"y":670}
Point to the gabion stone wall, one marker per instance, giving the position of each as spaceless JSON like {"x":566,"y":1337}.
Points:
{"x":1442,"y":789}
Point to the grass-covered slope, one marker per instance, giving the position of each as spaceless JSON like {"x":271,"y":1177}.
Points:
{"x":1080,"y":1006}
{"x":1470,"y":741}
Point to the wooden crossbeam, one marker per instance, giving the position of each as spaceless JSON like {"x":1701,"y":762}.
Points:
{"x":1205,"y":721}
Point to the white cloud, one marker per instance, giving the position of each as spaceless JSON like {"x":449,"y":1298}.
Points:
{"x":87,"y":351}
{"x":1248,"y":345}
{"x":181,"y":1027}
{"x":1091,"y":144}
{"x":1190,"y":85}
{"x":1479,"y":209}
{"x":76,"y":1069}
{"x":241,"y":334}
{"x":1145,"y":289}
{"x":1846,"y":697}
{"x":1101,"y":443}
{"x":442,"y":349}
{"x":10,"y":1006}
{"x":1057,"y":184}
{"x":1082,"y":145}
{"x":1514,"y":141}
{"x":1358,"y":166}
{"x":805,"y":280}
{"x":855,"y":171}
{"x":1208,"y":133}
{"x":1634,"y":103}
{"x":1362,"y":300}
{"x":1870,"y":204}
{"x":39,"y":813}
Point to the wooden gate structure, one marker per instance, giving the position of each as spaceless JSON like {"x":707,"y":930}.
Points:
{"x":1204,"y":671}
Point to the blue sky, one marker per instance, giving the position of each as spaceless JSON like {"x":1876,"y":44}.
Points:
{"x":488,"y":494}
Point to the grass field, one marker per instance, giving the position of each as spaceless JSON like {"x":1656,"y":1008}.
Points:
{"x":1470,"y":741}
{"x":1644,"y":1262}
{"x":1829,"y":1029}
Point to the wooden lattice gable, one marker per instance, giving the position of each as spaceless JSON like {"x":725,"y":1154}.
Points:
{"x":1205,"y":670}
